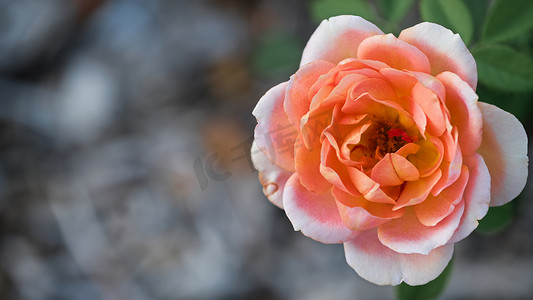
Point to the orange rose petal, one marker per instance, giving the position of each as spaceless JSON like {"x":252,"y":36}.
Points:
{"x":450,"y":172}
{"x":274,"y":134}
{"x":394,"y":52}
{"x":432,"y":83}
{"x":401,"y":81}
{"x":307,"y":164}
{"x":379,"y":210}
{"x":404,"y":168}
{"x":461,"y":100}
{"x":408,"y":235}
{"x":384,"y":172}
{"x":476,"y":196}
{"x":315,"y":214}
{"x":435,"y":208}
{"x":429,"y":157}
{"x":357,"y":218}
{"x":297,"y":100}
{"x":359,"y":64}
{"x":368,"y":187}
{"x":415,"y":192}
{"x":431,"y":105}
{"x":379,"y":89}
{"x":334,"y":171}
{"x":408,"y":149}
{"x":450,"y":141}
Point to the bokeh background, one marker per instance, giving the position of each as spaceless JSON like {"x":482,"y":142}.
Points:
{"x":125,"y":128}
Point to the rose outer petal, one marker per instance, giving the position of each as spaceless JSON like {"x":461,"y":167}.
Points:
{"x":316,"y":215}
{"x":444,"y":49}
{"x":338,"y":38}
{"x":504,"y":149}
{"x":272,"y":177}
{"x":378,"y":264}
{"x":274,"y":134}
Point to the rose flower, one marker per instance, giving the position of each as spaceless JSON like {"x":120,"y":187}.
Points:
{"x":380,"y":143}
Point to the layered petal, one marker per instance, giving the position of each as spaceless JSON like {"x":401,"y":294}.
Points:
{"x":338,"y":38}
{"x":435,"y":208}
{"x":408,"y":235}
{"x":271,"y":176}
{"x":394,"y":52}
{"x":461,"y":100}
{"x":379,"y":264}
{"x":444,"y":49}
{"x":274,"y":134}
{"x":476,"y":196}
{"x":297,"y":101}
{"x":307,"y":163}
{"x":504,"y":149}
{"x":316,"y":215}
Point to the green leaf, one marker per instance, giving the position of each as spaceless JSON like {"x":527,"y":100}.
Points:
{"x":428,"y":291}
{"x":497,"y":219}
{"x":324,"y":9}
{"x":451,"y":14}
{"x":504,"y":68}
{"x":395,"y":10}
{"x":478,"y":10}
{"x":276,"y":55}
{"x":508,"y":19}
{"x":518,"y":104}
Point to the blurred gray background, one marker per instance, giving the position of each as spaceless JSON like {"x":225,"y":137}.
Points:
{"x":125,"y":127}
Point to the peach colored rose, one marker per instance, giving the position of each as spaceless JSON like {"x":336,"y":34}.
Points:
{"x":380,"y":143}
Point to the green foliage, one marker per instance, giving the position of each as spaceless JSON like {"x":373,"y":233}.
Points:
{"x":503,"y":68}
{"x":428,"y":291}
{"x":395,"y":10}
{"x":508,"y":19}
{"x":497,"y":218}
{"x":519,"y":104}
{"x":324,"y":9}
{"x":276,"y":55}
{"x":453,"y":14}
{"x":478,"y":10}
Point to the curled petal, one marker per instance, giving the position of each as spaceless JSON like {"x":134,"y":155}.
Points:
{"x":274,"y":134}
{"x":504,"y":149}
{"x":272,"y":177}
{"x":316,"y":215}
{"x":379,"y":210}
{"x":338,"y":38}
{"x":378,"y":264}
{"x":415,"y":192}
{"x":445,"y":50}
{"x":297,"y":100}
{"x":368,"y":188}
{"x":435,"y":208}
{"x":431,"y":105}
{"x":394,"y":169}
